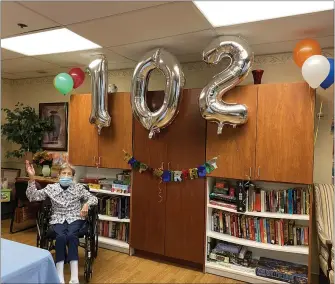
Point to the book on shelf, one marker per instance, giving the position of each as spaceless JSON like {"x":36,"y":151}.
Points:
{"x":116,"y":206}
{"x":265,"y":230}
{"x":114,"y":230}
{"x":289,"y":201}
{"x":282,"y":270}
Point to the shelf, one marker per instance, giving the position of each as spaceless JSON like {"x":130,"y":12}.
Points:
{"x":112,"y":242}
{"x":232,"y":271}
{"x":263,"y":214}
{"x":249,"y":243}
{"x":108,"y":192}
{"x":113,"y":219}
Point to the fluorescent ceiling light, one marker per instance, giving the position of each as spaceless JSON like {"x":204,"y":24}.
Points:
{"x":48,"y":42}
{"x":226,"y":13}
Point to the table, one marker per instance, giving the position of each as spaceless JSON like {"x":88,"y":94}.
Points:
{"x":21,"y":263}
{"x":21,"y":185}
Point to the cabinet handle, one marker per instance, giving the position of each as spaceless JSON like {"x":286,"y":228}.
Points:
{"x":259,"y":171}
{"x":94,"y":160}
{"x":250,"y":169}
{"x":99,"y":161}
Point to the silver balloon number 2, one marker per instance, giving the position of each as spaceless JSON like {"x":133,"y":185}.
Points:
{"x":169,"y":65}
{"x":212,"y":106}
{"x":98,"y":70}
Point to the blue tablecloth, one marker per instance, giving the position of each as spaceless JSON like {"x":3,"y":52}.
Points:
{"x":26,"y":264}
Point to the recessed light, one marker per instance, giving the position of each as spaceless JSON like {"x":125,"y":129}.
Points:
{"x":48,"y":42}
{"x":226,"y":13}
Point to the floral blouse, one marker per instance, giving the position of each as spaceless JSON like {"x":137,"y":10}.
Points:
{"x":66,"y":203}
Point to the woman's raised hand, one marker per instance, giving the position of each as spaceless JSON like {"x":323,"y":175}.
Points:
{"x":30,"y":169}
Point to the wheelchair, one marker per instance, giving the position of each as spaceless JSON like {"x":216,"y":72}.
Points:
{"x":88,"y":235}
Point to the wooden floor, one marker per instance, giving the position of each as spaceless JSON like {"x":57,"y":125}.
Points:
{"x":114,"y":267}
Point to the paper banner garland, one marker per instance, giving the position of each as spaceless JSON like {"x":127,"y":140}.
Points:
{"x":173,"y":176}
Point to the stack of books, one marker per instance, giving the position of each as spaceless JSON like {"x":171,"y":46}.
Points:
{"x":265,"y":230}
{"x":116,"y":206}
{"x":114,"y":230}
{"x":223,"y":195}
{"x":290,"y":201}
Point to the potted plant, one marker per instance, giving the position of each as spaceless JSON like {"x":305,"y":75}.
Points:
{"x":24,"y":127}
{"x":43,"y":159}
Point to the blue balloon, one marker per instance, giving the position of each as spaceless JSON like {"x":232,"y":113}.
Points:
{"x":330,"y":78}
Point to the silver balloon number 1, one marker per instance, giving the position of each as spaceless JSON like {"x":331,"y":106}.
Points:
{"x":212,"y":106}
{"x":169,"y":65}
{"x":98,"y":70}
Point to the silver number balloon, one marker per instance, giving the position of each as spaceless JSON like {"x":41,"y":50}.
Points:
{"x":98,"y":70}
{"x":169,"y":65}
{"x":212,"y":106}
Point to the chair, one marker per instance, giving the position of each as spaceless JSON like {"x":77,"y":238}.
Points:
{"x":88,"y":235}
{"x":324,"y":208}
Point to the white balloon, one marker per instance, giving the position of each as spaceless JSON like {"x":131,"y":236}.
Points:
{"x":315,"y":70}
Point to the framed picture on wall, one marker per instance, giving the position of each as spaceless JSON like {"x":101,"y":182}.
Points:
{"x":55,"y":140}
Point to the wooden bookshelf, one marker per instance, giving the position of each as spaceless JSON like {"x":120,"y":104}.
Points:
{"x":293,"y":253}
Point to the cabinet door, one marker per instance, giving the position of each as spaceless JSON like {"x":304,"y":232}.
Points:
{"x":148,"y":193}
{"x":185,"y":201}
{"x":118,"y":136}
{"x":236,"y":146}
{"x":285,"y":132}
{"x":83,"y":136}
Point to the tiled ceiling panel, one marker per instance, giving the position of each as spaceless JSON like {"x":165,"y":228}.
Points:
{"x":70,"y":59}
{"x":190,"y":43}
{"x":147,"y":24}
{"x":25,"y":64}
{"x":13,"y":13}
{"x":75,"y":12}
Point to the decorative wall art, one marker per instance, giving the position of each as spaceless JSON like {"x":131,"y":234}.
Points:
{"x":55,"y":140}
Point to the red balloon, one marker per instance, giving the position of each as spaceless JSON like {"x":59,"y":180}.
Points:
{"x":78,"y":77}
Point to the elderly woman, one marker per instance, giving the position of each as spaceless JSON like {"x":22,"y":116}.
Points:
{"x":68,"y":214}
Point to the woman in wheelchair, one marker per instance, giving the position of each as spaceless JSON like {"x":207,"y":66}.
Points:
{"x":68,"y":214}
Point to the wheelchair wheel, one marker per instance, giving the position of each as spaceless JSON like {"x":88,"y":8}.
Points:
{"x":38,"y":241}
{"x":88,"y":259}
{"x":95,"y":237}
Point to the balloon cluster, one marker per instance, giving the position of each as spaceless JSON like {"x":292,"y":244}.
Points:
{"x":65,"y":82}
{"x":316,"y":69}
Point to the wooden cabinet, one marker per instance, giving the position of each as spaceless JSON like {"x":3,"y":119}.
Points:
{"x":236,"y":146}
{"x":86,"y":147}
{"x":276,"y":144}
{"x":83,"y":137}
{"x":285,"y":133}
{"x":185,"y":201}
{"x":170,"y":223}
{"x":118,"y":136}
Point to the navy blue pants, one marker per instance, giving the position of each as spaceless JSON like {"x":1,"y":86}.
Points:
{"x":67,"y":235}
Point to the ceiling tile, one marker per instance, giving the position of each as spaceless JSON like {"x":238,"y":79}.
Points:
{"x":36,"y":74}
{"x":313,"y":25}
{"x":13,"y":13}
{"x":151,"y":23}
{"x":7,"y":54}
{"x":287,"y":46}
{"x":71,"y":12}
{"x":25,"y":64}
{"x":190,"y":43}
{"x":122,"y":65}
{"x":9,"y":76}
{"x":72,"y":59}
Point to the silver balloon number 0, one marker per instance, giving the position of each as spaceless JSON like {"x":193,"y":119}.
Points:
{"x":98,"y":70}
{"x":212,"y":106}
{"x":169,"y":65}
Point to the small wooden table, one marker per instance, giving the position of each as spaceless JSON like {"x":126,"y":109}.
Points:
{"x":20,"y":198}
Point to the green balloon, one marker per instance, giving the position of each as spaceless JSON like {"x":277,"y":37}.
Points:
{"x":63,"y":82}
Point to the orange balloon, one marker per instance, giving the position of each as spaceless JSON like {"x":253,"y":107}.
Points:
{"x":305,"y":49}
